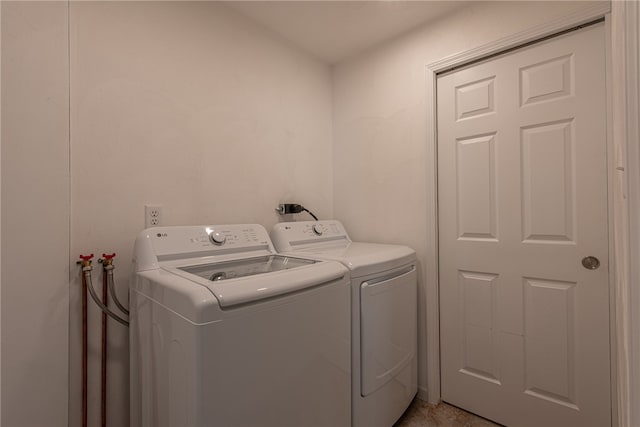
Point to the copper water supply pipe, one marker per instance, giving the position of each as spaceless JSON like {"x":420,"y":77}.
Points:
{"x":103,"y":360}
{"x":87,"y":286}
{"x":86,"y":270}
{"x":84,"y":353}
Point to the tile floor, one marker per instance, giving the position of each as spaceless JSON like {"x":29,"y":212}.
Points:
{"x":423,"y":414}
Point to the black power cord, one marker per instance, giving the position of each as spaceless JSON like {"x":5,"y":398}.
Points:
{"x":310,"y":213}
{"x":291,"y":208}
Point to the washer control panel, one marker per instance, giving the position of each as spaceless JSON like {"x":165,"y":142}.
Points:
{"x":210,"y":238}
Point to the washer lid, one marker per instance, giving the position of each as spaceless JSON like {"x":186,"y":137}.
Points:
{"x":365,"y":258}
{"x":247,"y":280}
{"x":245,"y":267}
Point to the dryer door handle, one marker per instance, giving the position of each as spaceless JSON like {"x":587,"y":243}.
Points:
{"x":391,"y":276}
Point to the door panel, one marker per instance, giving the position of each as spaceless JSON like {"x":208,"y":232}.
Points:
{"x":522,"y":188}
{"x":387,"y":344}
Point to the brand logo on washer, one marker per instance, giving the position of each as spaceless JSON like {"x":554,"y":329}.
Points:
{"x":161,"y":235}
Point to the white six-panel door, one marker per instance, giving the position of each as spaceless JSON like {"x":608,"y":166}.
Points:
{"x":522,"y":191}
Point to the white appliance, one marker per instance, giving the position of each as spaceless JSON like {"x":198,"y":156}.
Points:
{"x":384,"y":315}
{"x":225,"y":332}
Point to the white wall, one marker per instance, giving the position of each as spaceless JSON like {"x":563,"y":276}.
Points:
{"x":380,"y":158}
{"x":35,"y":214}
{"x":183,"y":104}
{"x":0,"y":218}
{"x":625,"y":89}
{"x":189,"y":105}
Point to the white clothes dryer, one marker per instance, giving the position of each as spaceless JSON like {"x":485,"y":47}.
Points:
{"x":383,"y":315}
{"x":225,"y":332}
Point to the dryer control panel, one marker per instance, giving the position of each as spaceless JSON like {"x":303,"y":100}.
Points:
{"x":287,"y":236}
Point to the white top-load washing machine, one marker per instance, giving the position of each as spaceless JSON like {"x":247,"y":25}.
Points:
{"x":384,"y":315}
{"x":225,"y":332}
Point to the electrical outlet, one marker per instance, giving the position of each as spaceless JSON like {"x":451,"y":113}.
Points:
{"x":152,"y":215}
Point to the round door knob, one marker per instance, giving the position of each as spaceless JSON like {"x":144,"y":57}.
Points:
{"x":590,"y":262}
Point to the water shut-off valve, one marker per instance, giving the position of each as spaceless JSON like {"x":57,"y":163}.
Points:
{"x":107,"y":261}
{"x":86,"y":262}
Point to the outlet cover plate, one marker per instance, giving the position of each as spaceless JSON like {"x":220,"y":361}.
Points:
{"x":152,"y":216}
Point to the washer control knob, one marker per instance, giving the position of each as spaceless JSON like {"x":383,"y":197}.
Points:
{"x":317,"y":229}
{"x":217,"y":238}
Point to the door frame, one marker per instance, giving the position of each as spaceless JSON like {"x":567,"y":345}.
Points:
{"x":619,"y":25}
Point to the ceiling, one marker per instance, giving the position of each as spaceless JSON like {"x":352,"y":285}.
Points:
{"x":335,"y":30}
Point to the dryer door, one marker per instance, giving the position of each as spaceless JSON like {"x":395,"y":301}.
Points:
{"x":388,"y":328}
